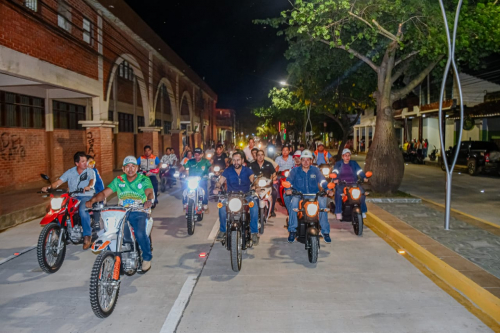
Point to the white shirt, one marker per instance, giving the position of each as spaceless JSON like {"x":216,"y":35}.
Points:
{"x":248,"y":154}
{"x":285,"y":165}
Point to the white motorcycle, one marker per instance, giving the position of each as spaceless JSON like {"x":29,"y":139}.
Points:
{"x":194,"y":198}
{"x":118,"y":254}
{"x":264,"y":190}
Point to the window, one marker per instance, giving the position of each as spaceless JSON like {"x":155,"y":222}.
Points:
{"x":31,"y":4}
{"x":21,"y":111}
{"x":110,"y":115}
{"x":64,"y":16}
{"x":167,"y":126}
{"x":125,"y":71}
{"x":140,"y":121}
{"x":157,"y":122}
{"x":67,"y":116}
{"x":88,"y":31}
{"x":125,"y":122}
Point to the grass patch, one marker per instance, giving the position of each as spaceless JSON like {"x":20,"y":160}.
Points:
{"x":398,"y":194}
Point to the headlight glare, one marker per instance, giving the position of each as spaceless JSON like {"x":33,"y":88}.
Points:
{"x":216,"y":169}
{"x":164,"y":165}
{"x":312,"y":209}
{"x":262,"y":183}
{"x":235,"y":205}
{"x":355,"y":193}
{"x":325,"y":171}
{"x":56,"y":203}
{"x":193,"y":184}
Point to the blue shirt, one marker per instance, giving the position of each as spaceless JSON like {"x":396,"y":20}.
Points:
{"x":98,"y":183}
{"x":237,"y":183}
{"x":320,"y":158}
{"x":73,"y":178}
{"x":306,"y":182}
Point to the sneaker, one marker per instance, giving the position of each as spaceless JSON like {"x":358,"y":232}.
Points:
{"x":255,"y":239}
{"x":146,"y":266}
{"x":339,"y":216}
{"x":221,"y":236}
{"x":291,"y":237}
{"x":364,"y":215}
{"x":326,"y":238}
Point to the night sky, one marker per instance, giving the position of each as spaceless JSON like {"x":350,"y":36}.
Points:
{"x":239,"y":60}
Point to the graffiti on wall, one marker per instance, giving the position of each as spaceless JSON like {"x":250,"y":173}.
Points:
{"x":90,"y":144}
{"x":11,"y":148}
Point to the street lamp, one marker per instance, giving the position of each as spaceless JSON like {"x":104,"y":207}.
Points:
{"x":283,"y":83}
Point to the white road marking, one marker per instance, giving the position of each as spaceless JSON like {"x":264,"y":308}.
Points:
{"x":175,"y":314}
{"x":3,"y":261}
{"x":214,"y":231}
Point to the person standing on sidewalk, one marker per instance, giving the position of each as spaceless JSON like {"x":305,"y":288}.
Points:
{"x":72,"y":176}
{"x":425,"y":148}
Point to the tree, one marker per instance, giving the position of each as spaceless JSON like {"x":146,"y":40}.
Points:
{"x":400,"y":42}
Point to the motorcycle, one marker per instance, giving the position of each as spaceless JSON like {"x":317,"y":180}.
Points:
{"x":214,"y":178}
{"x":62,"y":225}
{"x":433,"y":154}
{"x":281,"y":191}
{"x":238,"y":235}
{"x":166,"y":179}
{"x":264,"y":192}
{"x":118,"y":254}
{"x":351,"y":203}
{"x":308,"y":227}
{"x":194,"y":209}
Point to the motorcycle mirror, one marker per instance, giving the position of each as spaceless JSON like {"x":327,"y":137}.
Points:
{"x":369,"y":174}
{"x":83,"y":177}
{"x":331,"y":186}
{"x":287,"y":185}
{"x":44,"y":176}
{"x":333,"y":175}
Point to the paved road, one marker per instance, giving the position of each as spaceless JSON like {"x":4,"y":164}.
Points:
{"x":429,"y":182}
{"x":358,"y":285}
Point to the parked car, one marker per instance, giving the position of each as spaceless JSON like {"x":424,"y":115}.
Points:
{"x":476,"y":156}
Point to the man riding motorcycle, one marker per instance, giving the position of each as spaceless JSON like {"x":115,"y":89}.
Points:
{"x":261,"y":166}
{"x":132,"y":188}
{"x":72,"y":176}
{"x":198,"y":167}
{"x":170,"y":159}
{"x":307,"y":179}
{"x":296,"y":159}
{"x":348,"y":171}
{"x":147,"y":163}
{"x":220,"y":158}
{"x":321,"y":156}
{"x":239,"y":179}
{"x":285,"y":162}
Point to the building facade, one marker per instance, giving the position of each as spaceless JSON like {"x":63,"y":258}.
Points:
{"x":88,"y":75}
{"x":225,"y":123}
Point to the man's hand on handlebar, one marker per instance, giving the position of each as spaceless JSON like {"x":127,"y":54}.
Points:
{"x":148,"y":204}
{"x":44,"y":189}
{"x":89,"y":204}
{"x":366,"y":180}
{"x":329,"y":193}
{"x":86,"y":188}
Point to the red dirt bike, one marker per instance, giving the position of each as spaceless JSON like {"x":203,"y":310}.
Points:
{"x":281,"y":190}
{"x":62,"y":225}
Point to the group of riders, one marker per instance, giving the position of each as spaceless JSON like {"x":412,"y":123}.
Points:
{"x":238,"y":171}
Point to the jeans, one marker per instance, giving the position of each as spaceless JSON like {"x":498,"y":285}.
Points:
{"x":254,"y":215}
{"x":154,"y":181}
{"x":323,"y":216}
{"x":339,"y":190}
{"x":425,"y":152}
{"x":138,"y":221}
{"x":84,"y":215}
{"x":204,"y":185}
{"x":287,"y":199}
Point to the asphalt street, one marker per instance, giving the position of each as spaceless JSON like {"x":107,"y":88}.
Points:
{"x":360,"y":284}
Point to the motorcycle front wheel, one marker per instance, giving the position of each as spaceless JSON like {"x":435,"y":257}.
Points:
{"x":313,"y":250}
{"x":163,"y":184}
{"x":357,"y":223}
{"x":263,"y":217}
{"x":46,"y":250}
{"x":190,"y":217}
{"x":236,"y":250}
{"x":104,"y":289}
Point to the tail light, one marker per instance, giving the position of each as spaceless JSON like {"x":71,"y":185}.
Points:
{"x":487,"y":157}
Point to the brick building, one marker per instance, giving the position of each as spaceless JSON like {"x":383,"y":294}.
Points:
{"x":225,"y":122}
{"x":90,"y":75}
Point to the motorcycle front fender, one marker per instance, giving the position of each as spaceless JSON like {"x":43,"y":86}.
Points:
{"x":105,"y":241}
{"x":51,"y":216}
{"x":312,"y":232}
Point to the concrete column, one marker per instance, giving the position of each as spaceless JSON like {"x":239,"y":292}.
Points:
{"x":150,"y":136}
{"x":99,"y":139}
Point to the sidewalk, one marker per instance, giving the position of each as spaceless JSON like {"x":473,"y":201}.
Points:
{"x":466,"y":257}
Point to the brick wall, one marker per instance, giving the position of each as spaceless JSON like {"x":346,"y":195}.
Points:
{"x":70,"y":141}
{"x":22,"y":157}
{"x":125,"y":144}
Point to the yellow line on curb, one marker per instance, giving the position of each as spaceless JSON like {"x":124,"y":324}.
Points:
{"x":484,"y":300}
{"x":459,"y":212}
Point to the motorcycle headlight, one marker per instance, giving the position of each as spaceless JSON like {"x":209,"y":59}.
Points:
{"x":164,"y":165}
{"x":325,"y":171}
{"x":262,"y":183}
{"x":176,"y":174}
{"x":311,"y":209}
{"x":355,"y":193}
{"x":216,"y":169}
{"x":287,"y":173}
{"x":209,"y":156}
{"x":235,"y":205}
{"x":271,"y":150}
{"x":56,"y":203}
{"x":210,"y":174}
{"x":193,"y":184}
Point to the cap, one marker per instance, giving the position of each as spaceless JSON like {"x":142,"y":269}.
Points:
{"x":306,"y":154}
{"x":321,"y":144}
{"x":346,"y":151}
{"x":197,"y":151}
{"x":297,"y":153}
{"x":130,"y":160}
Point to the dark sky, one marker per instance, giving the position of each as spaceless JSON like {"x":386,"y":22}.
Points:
{"x":239,"y":60}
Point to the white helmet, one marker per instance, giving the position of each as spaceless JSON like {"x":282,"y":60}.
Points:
{"x":306,"y":154}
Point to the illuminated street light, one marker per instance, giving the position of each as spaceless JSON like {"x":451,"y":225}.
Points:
{"x":283,"y":83}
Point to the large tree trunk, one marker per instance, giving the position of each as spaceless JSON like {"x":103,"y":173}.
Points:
{"x":384,"y":158}
{"x":345,"y":137}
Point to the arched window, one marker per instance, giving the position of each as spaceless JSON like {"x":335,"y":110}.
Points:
{"x":184,"y":107}
{"x":167,"y":109}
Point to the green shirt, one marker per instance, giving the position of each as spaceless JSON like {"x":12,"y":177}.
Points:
{"x":133,"y":192}
{"x":199,"y":169}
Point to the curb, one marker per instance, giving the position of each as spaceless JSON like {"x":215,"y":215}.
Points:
{"x":395,"y":200}
{"x":21,"y":216}
{"x":483,"y":299}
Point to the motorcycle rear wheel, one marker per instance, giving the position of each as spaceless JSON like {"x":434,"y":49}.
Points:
{"x":236,"y":250}
{"x":104,"y":290}
{"x":48,"y":259}
{"x":190,"y":217}
{"x":357,"y":223}
{"x":313,"y":250}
